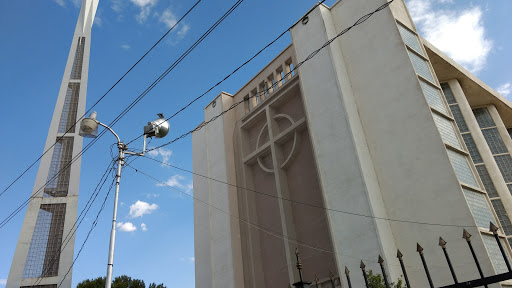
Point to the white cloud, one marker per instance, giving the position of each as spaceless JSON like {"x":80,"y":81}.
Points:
{"x":188,"y":259}
{"x":61,"y":3}
{"x":164,"y":153}
{"x":174,"y":181}
{"x":458,"y":33}
{"x":126,"y":46}
{"x":168,"y":18}
{"x":117,"y":5}
{"x":504,"y":89}
{"x":126,"y":227}
{"x":183,"y":31}
{"x":143,"y":227}
{"x":145,"y":9}
{"x":140,"y":208}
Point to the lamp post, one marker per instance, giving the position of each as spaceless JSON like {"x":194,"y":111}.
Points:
{"x":89,"y":128}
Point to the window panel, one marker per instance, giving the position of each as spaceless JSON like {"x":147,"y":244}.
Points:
{"x":504,"y":163}
{"x":494,"y":141}
{"x":509,"y":130}
{"x":479,"y":207}
{"x":433,"y":96}
{"x":502,"y":216}
{"x":495,"y":254}
{"x":76,"y":70}
{"x":473,"y":151}
{"x":447,"y":130}
{"x":509,"y":186}
{"x":421,"y":66}
{"x":459,"y":119}
{"x":483,"y":117}
{"x":69,"y":110}
{"x":448,"y":93}
{"x":44,"y":251}
{"x":461,"y":167}
{"x":58,"y":181}
{"x":487,"y":181}
{"x":410,"y":39}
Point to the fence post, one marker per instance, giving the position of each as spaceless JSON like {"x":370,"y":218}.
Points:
{"x":442,"y":243}
{"x":494,"y":231}
{"x":467,"y":236}
{"x":399,"y":255}
{"x":419,"y":249}
{"x":381,"y":263}
{"x":347,"y":273}
{"x":362,"y":266}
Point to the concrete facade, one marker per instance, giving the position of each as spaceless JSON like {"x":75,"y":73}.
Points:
{"x":42,"y":257}
{"x":359,"y":152}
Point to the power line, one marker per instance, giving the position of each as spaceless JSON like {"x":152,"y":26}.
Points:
{"x":93,"y":225}
{"x":308,"y":204}
{"x":101,"y":98}
{"x":292,"y":71}
{"x":234,"y":71}
{"x":127,"y":109}
{"x":78,"y":221}
{"x":259,"y":227}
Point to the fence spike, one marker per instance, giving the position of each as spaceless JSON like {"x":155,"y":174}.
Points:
{"x":399,"y":255}
{"x":316,"y":280}
{"x":381,"y":262}
{"x":362,"y":266}
{"x":442,"y":243}
{"x":347,"y":274}
{"x":467,"y":236}
{"x":419,"y":249}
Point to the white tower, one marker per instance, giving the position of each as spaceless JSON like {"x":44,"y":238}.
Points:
{"x":42,"y":259}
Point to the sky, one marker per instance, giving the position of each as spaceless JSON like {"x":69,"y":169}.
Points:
{"x":155,"y":240}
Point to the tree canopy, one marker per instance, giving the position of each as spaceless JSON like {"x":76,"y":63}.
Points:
{"x":119,"y":282}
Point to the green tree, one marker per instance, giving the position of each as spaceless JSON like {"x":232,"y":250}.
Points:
{"x":377,"y":281}
{"x":119,"y":282}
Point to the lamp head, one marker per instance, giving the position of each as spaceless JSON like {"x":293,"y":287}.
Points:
{"x":158,"y":128}
{"x":89,"y":126}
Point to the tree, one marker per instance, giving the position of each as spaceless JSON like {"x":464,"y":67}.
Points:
{"x":119,"y":282}
{"x":377,"y":281}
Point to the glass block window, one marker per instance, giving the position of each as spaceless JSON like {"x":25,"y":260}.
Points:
{"x":76,"y":70}
{"x":410,"y":39}
{"x":509,"y":186}
{"x":41,"y":286}
{"x":420,"y":66}
{"x":461,"y":166}
{"x":459,"y":119}
{"x":448,"y":93}
{"x":58,"y":181}
{"x":69,"y":110}
{"x":483,"y":117}
{"x":479,"y":207}
{"x":447,"y":130}
{"x":487,"y":181}
{"x":495,"y":254}
{"x":502,"y":216}
{"x":494,"y":141}
{"x":44,"y":251}
{"x":434,"y":97}
{"x":473,"y":151}
{"x":504,"y":163}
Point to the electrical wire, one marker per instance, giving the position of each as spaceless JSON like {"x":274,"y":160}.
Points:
{"x":286,"y":76}
{"x":234,"y":71}
{"x":78,"y":221}
{"x":127,"y":109}
{"x":266,"y":230}
{"x":101,"y":98}
{"x":93,"y":225}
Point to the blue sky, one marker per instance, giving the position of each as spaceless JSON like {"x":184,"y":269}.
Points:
{"x":35,"y":39}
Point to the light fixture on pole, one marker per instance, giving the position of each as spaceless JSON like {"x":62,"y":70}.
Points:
{"x":89,"y":128}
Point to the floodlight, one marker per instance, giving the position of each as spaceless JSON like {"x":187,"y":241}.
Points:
{"x":158,"y":128}
{"x":89,"y":126}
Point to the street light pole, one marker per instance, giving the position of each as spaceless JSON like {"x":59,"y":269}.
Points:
{"x":88,"y":128}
